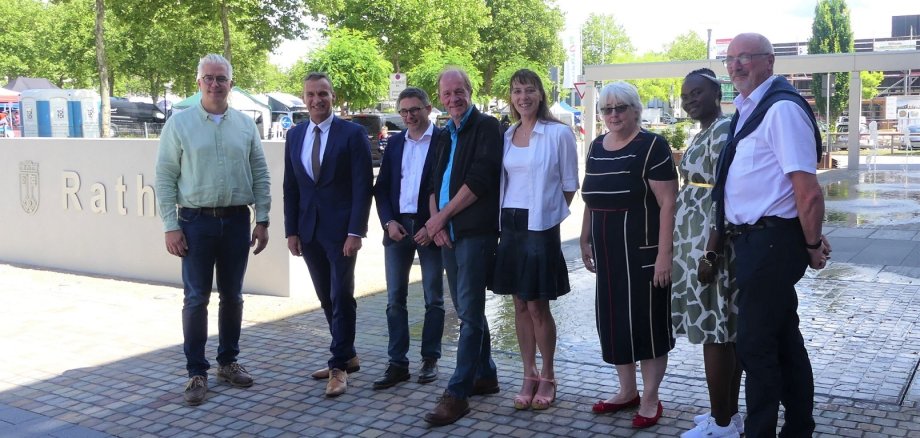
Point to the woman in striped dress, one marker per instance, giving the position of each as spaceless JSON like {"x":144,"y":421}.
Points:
{"x":629,"y":190}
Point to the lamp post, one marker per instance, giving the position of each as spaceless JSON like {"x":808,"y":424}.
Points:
{"x":708,"y":39}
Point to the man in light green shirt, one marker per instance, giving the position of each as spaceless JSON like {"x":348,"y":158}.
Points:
{"x":210,"y":169}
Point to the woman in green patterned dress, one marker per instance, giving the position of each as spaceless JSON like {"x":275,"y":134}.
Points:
{"x":703,"y":294}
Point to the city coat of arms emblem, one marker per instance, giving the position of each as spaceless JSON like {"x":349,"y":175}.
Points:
{"x":28,"y":186}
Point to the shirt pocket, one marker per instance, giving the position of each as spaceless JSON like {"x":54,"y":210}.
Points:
{"x":744,"y":155}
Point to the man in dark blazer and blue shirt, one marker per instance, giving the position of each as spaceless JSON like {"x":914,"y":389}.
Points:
{"x":327,"y":200}
{"x":402,"y":193}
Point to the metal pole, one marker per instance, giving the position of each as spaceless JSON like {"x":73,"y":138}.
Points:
{"x":708,"y":40}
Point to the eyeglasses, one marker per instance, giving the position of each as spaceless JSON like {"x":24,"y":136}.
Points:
{"x":407,"y":111}
{"x":743,"y":59}
{"x":619,"y":109}
{"x":208,"y":79}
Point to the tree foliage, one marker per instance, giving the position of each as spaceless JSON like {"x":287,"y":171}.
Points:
{"x":686,"y":47}
{"x":359,"y":73}
{"x":501,"y":83}
{"x":523,"y":30}
{"x":870,"y":82}
{"x":425,"y":74}
{"x":603,"y":40}
{"x":831,"y":33}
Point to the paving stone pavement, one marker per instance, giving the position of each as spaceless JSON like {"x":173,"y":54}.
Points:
{"x":97,"y":357}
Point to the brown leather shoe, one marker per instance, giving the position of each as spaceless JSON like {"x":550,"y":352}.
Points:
{"x":338,"y":382}
{"x":352,"y":366}
{"x":196,"y":390}
{"x":235,"y":375}
{"x":485,"y":387}
{"x":448,"y":410}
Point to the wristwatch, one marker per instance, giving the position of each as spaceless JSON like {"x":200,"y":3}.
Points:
{"x":813,"y":246}
{"x":263,"y":223}
{"x":710,"y":258}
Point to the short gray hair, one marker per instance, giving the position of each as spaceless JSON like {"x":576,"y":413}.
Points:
{"x":622,"y":92}
{"x":213,"y":58}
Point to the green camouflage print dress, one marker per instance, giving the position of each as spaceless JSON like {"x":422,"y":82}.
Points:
{"x":704,"y":313}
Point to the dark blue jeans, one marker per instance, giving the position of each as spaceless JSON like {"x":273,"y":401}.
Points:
{"x":768,"y":264}
{"x":468,"y":264}
{"x":398,"y":258}
{"x":213,"y":242}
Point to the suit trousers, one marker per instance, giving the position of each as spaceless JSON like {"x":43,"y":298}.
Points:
{"x":769,"y":262}
{"x":333,"y":277}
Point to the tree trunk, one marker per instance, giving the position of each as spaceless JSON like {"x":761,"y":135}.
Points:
{"x":225,"y":25}
{"x":103,"y":67}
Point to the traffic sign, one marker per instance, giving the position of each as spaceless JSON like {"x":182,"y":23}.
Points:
{"x":580,"y":89}
{"x":286,"y":122}
{"x":397,"y":84}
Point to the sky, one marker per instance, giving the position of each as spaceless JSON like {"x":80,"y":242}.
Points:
{"x":650,"y":28}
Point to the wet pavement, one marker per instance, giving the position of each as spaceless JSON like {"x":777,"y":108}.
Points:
{"x":95,"y":357}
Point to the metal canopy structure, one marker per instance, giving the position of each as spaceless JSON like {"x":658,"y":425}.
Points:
{"x":784,"y":65}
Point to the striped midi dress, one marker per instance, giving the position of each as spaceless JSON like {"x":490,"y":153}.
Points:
{"x":633,"y":316}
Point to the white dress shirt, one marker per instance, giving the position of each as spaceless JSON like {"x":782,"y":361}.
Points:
{"x":306,"y":155}
{"x":413,"y":164}
{"x":554,"y":170}
{"x":758,"y":184}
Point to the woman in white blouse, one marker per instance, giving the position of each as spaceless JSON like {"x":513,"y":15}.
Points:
{"x":538,"y":181}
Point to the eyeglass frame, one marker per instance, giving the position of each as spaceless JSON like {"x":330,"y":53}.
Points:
{"x":221,"y":80}
{"x":405,"y":112}
{"x":619,"y":109}
{"x":744,"y":58}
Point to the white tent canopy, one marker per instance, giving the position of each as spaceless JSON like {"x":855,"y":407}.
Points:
{"x":567,"y":117}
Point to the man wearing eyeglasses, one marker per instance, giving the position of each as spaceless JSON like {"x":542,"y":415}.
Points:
{"x":402,"y":193}
{"x":327,"y":201}
{"x":464,"y":224}
{"x":210,"y":169}
{"x":773,"y":206}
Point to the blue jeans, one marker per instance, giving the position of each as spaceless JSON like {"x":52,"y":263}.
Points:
{"x":468,"y":265}
{"x":398,"y":258}
{"x":221,"y":242}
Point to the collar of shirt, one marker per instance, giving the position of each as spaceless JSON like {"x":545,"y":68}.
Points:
{"x":323,"y":126}
{"x":206,"y":115}
{"x":454,"y":128}
{"x":742,"y":102}
{"x":428,"y":132}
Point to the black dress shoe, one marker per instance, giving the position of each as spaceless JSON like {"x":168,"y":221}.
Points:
{"x":429,"y":371}
{"x":393,"y":375}
{"x":485,"y":387}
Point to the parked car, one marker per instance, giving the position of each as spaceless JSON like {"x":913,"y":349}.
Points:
{"x":843,"y":138}
{"x":374,"y":123}
{"x":135,"y":119}
{"x":912,"y":139}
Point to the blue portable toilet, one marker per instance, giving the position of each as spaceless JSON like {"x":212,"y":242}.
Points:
{"x":83,"y":106}
{"x":44,"y":113}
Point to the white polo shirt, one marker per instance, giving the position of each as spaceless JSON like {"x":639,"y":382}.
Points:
{"x":758,"y":184}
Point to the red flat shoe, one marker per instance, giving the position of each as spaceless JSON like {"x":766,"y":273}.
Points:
{"x":603,"y":407}
{"x":640,"y":422}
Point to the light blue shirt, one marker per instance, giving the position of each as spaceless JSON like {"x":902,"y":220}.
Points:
{"x":445,"y":183}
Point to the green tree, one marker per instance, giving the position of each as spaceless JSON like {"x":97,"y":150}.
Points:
{"x":870,"y":82}
{"x":21,"y":51}
{"x":501,"y":83}
{"x":522,"y":29}
{"x":425,"y":74}
{"x":831,"y":33}
{"x":359,"y":73}
{"x":686,"y":47}
{"x":603,"y":39}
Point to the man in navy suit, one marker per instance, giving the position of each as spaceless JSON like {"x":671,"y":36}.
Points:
{"x":402,"y":193}
{"x":327,"y":201}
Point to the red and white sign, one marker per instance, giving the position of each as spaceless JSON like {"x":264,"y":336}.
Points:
{"x":580,"y":89}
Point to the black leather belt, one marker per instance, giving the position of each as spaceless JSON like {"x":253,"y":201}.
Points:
{"x":233,"y":210}
{"x":409,"y":216}
{"x":762,"y":223}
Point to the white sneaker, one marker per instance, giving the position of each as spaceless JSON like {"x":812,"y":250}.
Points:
{"x":737,"y":420}
{"x":709,"y":429}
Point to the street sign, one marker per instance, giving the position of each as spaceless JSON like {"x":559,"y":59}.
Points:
{"x":397,"y":84}
{"x":580,"y":89}
{"x":286,"y":122}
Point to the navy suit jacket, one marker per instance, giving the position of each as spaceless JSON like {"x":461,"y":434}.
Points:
{"x":388,"y":187}
{"x":340,"y":202}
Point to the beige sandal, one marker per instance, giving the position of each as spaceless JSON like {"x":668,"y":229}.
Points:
{"x":540,"y":403}
{"x":522,"y":401}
